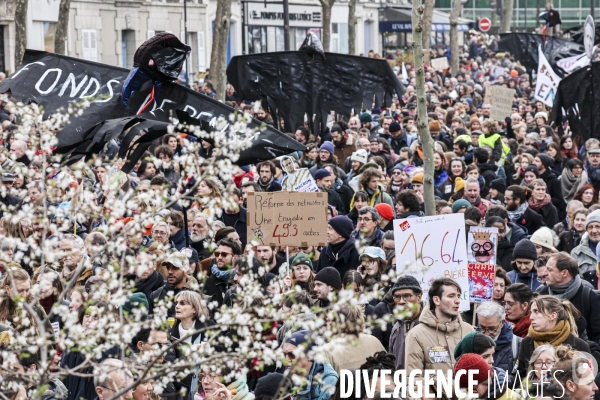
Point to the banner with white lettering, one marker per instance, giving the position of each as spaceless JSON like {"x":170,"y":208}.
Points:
{"x":547,"y":81}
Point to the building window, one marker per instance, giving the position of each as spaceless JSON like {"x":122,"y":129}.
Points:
{"x":49,"y":35}
{"x":89,"y":44}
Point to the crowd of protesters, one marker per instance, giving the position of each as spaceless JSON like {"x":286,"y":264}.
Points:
{"x":174,"y":277}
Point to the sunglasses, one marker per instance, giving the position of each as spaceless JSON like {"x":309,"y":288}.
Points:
{"x":181,"y":303}
{"x":289,"y":355}
{"x":222,"y":254}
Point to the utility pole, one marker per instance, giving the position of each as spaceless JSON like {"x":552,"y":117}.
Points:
{"x":286,"y":24}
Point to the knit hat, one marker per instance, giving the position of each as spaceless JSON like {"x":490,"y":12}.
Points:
{"x":365,"y":117}
{"x":376,"y":110}
{"x":474,"y":117}
{"x":525,"y":249}
{"x":593,"y":217}
{"x":385,"y":210}
{"x":137,"y":300}
{"x":542,"y":114}
{"x":407,"y":282}
{"x":302,"y":338}
{"x":435,"y":126}
{"x":543,"y":237}
{"x":498,"y":184}
{"x":342,"y":225}
{"x":472,"y":362}
{"x":400,"y":167}
{"x":178,"y":260}
{"x":321,"y":173}
{"x":532,"y":168}
{"x":327,"y":145}
{"x":302,"y":259}
{"x":395,"y":127}
{"x":417,"y":178}
{"x":459,"y":184}
{"x":245,"y":168}
{"x":270,"y":384}
{"x":373,"y":252}
{"x":329,"y":276}
{"x":459,"y":205}
{"x":360,"y":155}
{"x":474,"y":342}
{"x":546,"y":160}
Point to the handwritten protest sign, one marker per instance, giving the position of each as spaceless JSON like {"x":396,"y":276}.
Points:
{"x":497,"y":71}
{"x":433,"y":247}
{"x":440,"y":64}
{"x":547,"y":81}
{"x":287,"y":218}
{"x":502,"y":101}
{"x":482,"y":246}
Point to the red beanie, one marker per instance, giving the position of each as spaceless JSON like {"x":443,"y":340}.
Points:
{"x":469,"y":362}
{"x":385,"y":210}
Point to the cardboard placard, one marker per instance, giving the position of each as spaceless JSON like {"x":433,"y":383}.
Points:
{"x":440,"y":64}
{"x":502,"y":101}
{"x":497,"y":71}
{"x":433,"y":247}
{"x":287,"y":218}
{"x":481,"y":253}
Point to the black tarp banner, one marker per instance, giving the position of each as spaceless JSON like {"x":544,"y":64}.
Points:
{"x":524,"y":47}
{"x":576,"y":33}
{"x":578,"y":96}
{"x":296,"y":84}
{"x":54,"y":81}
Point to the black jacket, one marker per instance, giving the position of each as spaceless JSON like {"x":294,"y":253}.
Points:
{"x":202,"y":248}
{"x":381,"y":310}
{"x":78,"y":387}
{"x":549,"y":214}
{"x":8,"y":203}
{"x":347,"y":258}
{"x":554,"y":188}
{"x":504,"y":254}
{"x":216,"y":289}
{"x":239,"y":225}
{"x":530,"y":221}
{"x":517,"y":233}
{"x":150,"y":285}
{"x":334,"y":200}
{"x":488,"y":172}
{"x":569,"y":240}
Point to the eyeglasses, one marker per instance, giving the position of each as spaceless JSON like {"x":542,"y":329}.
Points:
{"x":398,"y":173}
{"x":364,"y":219}
{"x":405,"y":296}
{"x":181,"y":303}
{"x":545,"y":364}
{"x":207,"y":378}
{"x":159,"y":233}
{"x":487,"y":246}
{"x":221,"y":254}
{"x":489,"y":330}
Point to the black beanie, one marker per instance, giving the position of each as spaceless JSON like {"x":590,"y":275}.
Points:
{"x":270,"y":384}
{"x":407,"y":282}
{"x":525,"y":249}
{"x":481,"y":343}
{"x":532,"y":168}
{"x":498,"y":184}
{"x":342,"y":225}
{"x":546,"y":160}
{"x":330,"y":276}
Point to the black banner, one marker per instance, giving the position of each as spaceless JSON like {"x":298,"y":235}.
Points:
{"x":295,"y":83}
{"x":55,"y":81}
{"x":524,"y":47}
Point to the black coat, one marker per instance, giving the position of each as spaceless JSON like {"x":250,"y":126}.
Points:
{"x":527,"y":348}
{"x":549,"y":215}
{"x":518,"y":233}
{"x":216,"y":289}
{"x":150,"y":285}
{"x":504,"y":254}
{"x":347,"y":258}
{"x":569,"y":240}
{"x":78,"y":387}
{"x":530,"y":221}
{"x":239,"y":225}
{"x":554,"y":188}
{"x":346,"y":193}
{"x":488,"y":172}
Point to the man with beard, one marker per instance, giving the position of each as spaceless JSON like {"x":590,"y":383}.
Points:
{"x":74,"y":260}
{"x":177,"y":265}
{"x":343,"y":144}
{"x":439,"y":318}
{"x":199,"y":238}
{"x":249,"y":187}
{"x":266,"y":170}
{"x":472,"y":195}
{"x":222,"y":272}
{"x":398,"y":139}
{"x":518,"y":210}
{"x":366,"y":121}
{"x":340,"y":252}
{"x":324,"y":181}
{"x":327,"y":285}
{"x":367,"y":228}
{"x":267,"y":256}
{"x":354,"y":124}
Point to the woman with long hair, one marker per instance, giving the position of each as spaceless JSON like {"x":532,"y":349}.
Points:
{"x":552,"y":322}
{"x":568,"y":147}
{"x":309,"y":156}
{"x":517,"y":300}
{"x":553,"y":151}
{"x":530,"y":121}
{"x":398,"y":182}
{"x":361,"y":199}
{"x":302,"y":274}
{"x":209,"y":195}
{"x":520,"y":131}
{"x":587,"y":195}
{"x":572,"y":238}
{"x":456,"y":169}
{"x":573,"y":177}
{"x":440,"y":174}
{"x":521,"y":162}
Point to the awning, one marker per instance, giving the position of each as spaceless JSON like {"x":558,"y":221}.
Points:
{"x":403,"y":26}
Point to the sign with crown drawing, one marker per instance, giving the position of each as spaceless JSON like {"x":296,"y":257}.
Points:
{"x":482,"y":244}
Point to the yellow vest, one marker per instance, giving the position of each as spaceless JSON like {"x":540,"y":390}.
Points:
{"x":491,"y":141}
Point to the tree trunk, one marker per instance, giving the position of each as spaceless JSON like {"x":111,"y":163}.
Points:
{"x":352,"y":27}
{"x":62,"y":27}
{"x":454,"y":36}
{"x":20,"y":31}
{"x":549,"y":6}
{"x":427,"y":16}
{"x":507,"y":12}
{"x":326,"y":36}
{"x":218,"y":56}
{"x":423,"y":122}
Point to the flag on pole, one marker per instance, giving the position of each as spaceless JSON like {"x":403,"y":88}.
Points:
{"x":547,"y":81}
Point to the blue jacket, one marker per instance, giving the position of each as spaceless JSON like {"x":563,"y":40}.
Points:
{"x":503,"y":358}
{"x":440,"y":178}
{"x":322,"y":380}
{"x":517,"y":233}
{"x":530,"y":279}
{"x":178,"y":239}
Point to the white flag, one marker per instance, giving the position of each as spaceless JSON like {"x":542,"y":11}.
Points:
{"x":404,"y":74}
{"x":571,"y":64}
{"x":547,"y":81}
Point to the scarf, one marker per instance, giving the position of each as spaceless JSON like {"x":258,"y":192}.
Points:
{"x":149,"y":284}
{"x":566,"y":291}
{"x":538,"y":206}
{"x":265,"y":186}
{"x":224,"y":275}
{"x":570,"y":183}
{"x":515,"y":215}
{"x":555,"y":337}
{"x":338,"y":184}
{"x":521,"y":327}
{"x":570,"y":154}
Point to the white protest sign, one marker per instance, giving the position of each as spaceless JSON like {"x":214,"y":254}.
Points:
{"x":296,"y":180}
{"x":440,"y":64}
{"x":497,"y":71}
{"x":433,"y":247}
{"x":571,"y":64}
{"x":547,"y":81}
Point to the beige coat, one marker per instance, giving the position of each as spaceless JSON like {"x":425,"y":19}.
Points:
{"x":353,"y":352}
{"x":430,"y":345}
